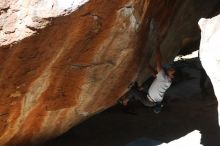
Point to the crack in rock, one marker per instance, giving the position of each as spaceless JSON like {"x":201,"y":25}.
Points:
{"x":84,"y":66}
{"x":3,"y":114}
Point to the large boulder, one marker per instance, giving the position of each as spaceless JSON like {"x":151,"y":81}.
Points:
{"x":62,"y":62}
{"x":58,"y":69}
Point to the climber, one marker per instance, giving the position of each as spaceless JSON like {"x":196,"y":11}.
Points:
{"x":155,"y":95}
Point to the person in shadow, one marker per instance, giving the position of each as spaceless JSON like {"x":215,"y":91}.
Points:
{"x":155,"y":94}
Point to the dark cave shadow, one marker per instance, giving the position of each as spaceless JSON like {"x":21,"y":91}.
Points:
{"x":118,"y":127}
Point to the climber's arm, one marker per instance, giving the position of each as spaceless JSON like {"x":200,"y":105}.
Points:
{"x":153,"y":71}
{"x":158,"y":59}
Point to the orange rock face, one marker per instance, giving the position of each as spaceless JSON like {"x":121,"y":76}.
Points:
{"x":61,"y":67}
{"x":78,"y":65}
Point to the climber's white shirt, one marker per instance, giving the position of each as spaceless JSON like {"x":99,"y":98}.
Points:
{"x":159,"y":87}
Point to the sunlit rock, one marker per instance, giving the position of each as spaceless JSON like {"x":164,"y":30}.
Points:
{"x":191,"y":139}
{"x":22,"y":18}
{"x":210,"y":52}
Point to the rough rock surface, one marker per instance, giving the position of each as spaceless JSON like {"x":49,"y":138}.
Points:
{"x":78,"y":65}
{"x":177,"y":23}
{"x":60,"y":66}
{"x":210,"y":52}
{"x":20,"y":19}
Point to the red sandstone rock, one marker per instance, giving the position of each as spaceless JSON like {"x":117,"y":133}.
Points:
{"x":78,"y":65}
{"x":61,"y":66}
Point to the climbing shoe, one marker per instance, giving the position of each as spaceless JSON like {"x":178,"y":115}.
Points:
{"x":157,"y":108}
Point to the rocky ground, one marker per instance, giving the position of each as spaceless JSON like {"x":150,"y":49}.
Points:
{"x":190,"y":108}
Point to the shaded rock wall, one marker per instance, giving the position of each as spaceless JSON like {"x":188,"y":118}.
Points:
{"x":77,"y":61}
{"x":177,"y":23}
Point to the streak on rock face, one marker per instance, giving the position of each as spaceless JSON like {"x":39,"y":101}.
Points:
{"x":114,"y":63}
{"x":210,"y":52}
